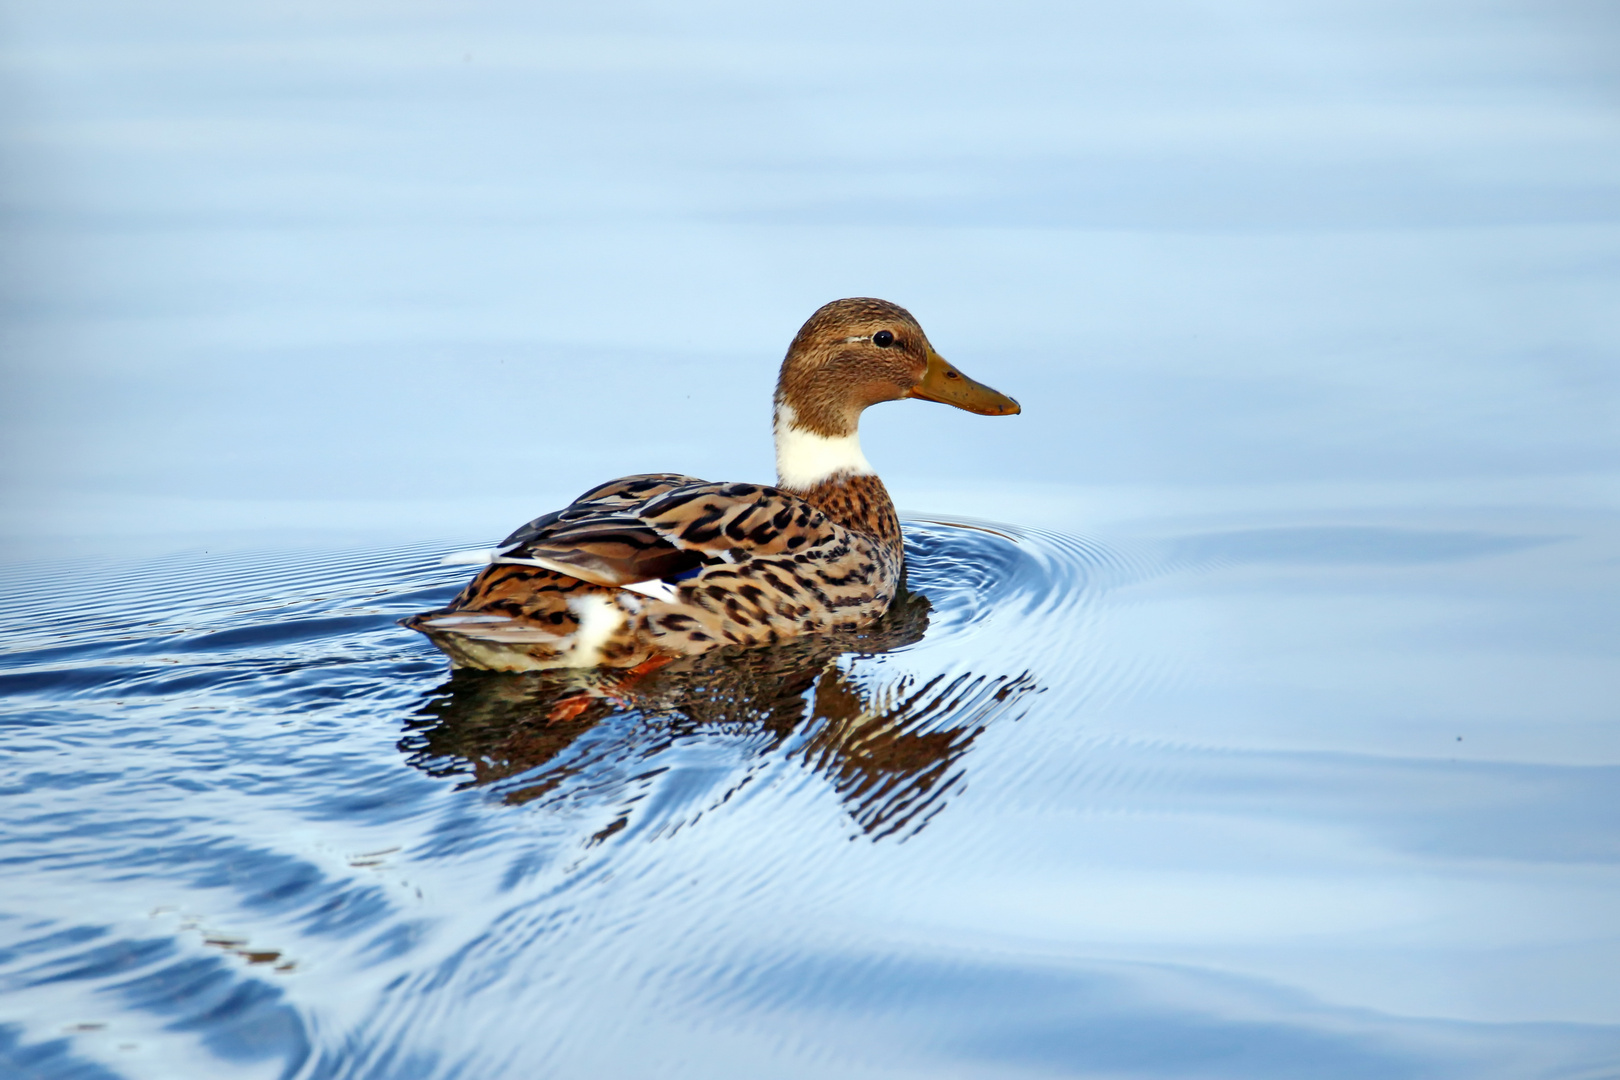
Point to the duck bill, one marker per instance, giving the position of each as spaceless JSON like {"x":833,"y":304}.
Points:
{"x":944,"y":384}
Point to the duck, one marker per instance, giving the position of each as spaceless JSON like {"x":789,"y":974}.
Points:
{"x":644,"y":570}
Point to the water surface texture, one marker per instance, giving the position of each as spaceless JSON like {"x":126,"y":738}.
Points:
{"x":1251,"y":712}
{"x":998,"y":830}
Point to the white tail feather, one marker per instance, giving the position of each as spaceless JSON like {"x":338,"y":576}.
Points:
{"x":471,"y":557}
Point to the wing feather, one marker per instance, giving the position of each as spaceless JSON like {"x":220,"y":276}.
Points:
{"x":615,"y":494}
{"x":662,"y":525}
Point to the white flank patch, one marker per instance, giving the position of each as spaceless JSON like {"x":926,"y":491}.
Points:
{"x":599,"y":619}
{"x":656,"y":589}
{"x":804,"y":459}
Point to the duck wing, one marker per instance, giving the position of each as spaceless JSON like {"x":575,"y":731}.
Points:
{"x":661,"y":526}
{"x":615,"y":494}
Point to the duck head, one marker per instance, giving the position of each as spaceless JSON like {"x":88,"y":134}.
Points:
{"x":849,"y":355}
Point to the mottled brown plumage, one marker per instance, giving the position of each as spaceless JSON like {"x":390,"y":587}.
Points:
{"x":647,"y":568}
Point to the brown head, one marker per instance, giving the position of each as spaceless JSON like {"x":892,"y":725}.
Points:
{"x":851,"y":354}
{"x":857,"y":352}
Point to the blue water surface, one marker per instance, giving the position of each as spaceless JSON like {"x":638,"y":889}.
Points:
{"x":1251,"y":713}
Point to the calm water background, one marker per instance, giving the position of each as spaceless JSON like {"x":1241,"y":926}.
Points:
{"x":1257,"y":713}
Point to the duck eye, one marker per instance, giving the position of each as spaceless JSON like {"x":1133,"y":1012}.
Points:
{"x":883,"y":339}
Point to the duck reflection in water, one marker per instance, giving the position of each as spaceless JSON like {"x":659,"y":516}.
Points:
{"x":892,"y":747}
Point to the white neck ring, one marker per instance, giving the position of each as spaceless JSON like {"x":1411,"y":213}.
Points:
{"x":805,"y":459}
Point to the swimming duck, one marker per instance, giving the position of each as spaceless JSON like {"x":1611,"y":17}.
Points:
{"x":645,"y":569}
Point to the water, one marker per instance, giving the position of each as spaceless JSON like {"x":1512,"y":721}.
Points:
{"x":263,"y":827}
{"x":1252,"y":711}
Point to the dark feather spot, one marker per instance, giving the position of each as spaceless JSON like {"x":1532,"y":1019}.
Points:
{"x":673,"y":501}
{"x":780,"y":586}
{"x":735,"y":528}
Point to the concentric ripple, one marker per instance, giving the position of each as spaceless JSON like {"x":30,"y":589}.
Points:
{"x":231,"y":771}
{"x":254,"y":828}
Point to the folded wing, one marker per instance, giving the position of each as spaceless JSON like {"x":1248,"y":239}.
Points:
{"x":664,"y":526}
